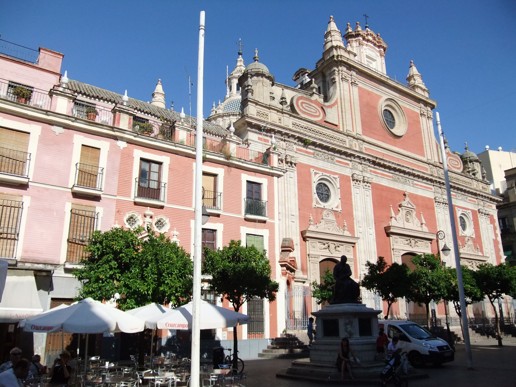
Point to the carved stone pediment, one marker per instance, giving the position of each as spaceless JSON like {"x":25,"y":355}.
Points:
{"x":406,"y":217}
{"x":471,"y":253}
{"x":407,"y":232}
{"x":327,"y":229}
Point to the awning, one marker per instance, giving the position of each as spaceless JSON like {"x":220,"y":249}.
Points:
{"x":20,"y":297}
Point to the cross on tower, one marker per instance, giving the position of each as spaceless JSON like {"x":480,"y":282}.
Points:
{"x":366,"y":17}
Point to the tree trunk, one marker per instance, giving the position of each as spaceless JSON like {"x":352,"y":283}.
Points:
{"x":389,"y":304}
{"x":497,"y":324}
{"x":456,"y":306}
{"x":427,"y":308}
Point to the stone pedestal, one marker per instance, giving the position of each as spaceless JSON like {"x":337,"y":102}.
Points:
{"x":357,"y":322}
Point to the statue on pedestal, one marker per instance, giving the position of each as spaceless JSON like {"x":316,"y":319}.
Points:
{"x":346,"y":290}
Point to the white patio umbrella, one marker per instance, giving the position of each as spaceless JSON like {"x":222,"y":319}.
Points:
{"x":212,"y":317}
{"x":86,"y":316}
{"x":150,"y":313}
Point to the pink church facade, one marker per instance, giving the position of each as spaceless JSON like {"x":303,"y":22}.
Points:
{"x":344,"y":162}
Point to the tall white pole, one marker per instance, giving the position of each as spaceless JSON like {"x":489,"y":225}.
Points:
{"x":460,"y":283}
{"x":196,"y":318}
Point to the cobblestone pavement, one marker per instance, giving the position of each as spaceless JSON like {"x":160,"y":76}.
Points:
{"x":492,"y":366}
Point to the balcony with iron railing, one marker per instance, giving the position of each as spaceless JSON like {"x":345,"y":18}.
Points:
{"x":255,"y":209}
{"x":14,"y":166}
{"x":24,"y":94}
{"x":99,"y":114}
{"x":88,"y":179}
{"x":211,"y":200}
{"x":150,"y":193}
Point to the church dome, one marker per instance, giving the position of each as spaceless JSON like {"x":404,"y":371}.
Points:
{"x":469,"y":155}
{"x":231,"y":105}
{"x":257,"y":66}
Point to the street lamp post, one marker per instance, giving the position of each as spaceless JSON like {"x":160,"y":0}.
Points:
{"x":445,"y":250}
{"x":460,"y":284}
{"x":196,"y":297}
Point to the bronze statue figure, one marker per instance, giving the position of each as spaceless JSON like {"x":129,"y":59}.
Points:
{"x":346,"y":290}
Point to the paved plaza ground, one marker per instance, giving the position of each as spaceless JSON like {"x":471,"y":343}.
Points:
{"x":492,"y":366}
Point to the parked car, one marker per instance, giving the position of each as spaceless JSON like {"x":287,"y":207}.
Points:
{"x":420,"y":344}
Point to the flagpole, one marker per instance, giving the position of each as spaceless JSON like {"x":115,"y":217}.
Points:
{"x":460,"y":283}
{"x":196,"y":331}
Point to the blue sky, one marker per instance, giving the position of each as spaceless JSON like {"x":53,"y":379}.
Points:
{"x":465,"y":50}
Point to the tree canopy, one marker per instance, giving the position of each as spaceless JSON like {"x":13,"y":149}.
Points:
{"x":494,"y":282}
{"x":140,"y":265}
{"x":323,"y":292}
{"x":240,"y":273}
{"x":389,"y":281}
{"x":427,"y":281}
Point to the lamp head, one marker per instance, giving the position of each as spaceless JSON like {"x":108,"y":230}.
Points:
{"x":445,"y":250}
{"x":205,"y":215}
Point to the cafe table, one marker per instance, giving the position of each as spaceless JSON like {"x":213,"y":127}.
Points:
{"x":107,"y":380}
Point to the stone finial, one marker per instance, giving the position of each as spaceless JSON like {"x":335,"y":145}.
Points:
{"x":158,"y":97}
{"x":415,"y":80}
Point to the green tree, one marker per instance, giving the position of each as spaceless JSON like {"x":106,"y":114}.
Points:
{"x":494,"y":282}
{"x":472,"y":293}
{"x":427,"y":282}
{"x":323,"y":292}
{"x":141,"y":266}
{"x":239,"y":274}
{"x":389,"y":281}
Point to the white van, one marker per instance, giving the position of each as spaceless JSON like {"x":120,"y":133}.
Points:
{"x":420,"y":344}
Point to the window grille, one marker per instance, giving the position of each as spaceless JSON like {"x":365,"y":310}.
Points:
{"x":255,"y":325}
{"x":14,"y":159}
{"x":82,"y":224}
{"x":10,"y":220}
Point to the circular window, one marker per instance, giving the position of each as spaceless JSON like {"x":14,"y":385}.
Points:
{"x":323,"y":192}
{"x":463,"y":223}
{"x":392,"y":117}
{"x":389,"y":119}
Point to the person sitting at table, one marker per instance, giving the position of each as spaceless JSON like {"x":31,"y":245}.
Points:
{"x":16,"y":375}
{"x":61,"y":371}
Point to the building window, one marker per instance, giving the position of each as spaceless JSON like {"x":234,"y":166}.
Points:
{"x":11,"y":209}
{"x":209,"y":239}
{"x":255,"y":325}
{"x":256,"y":241}
{"x":326,"y":191}
{"x":133,"y":220}
{"x":254,"y":205}
{"x":83,"y":220}
{"x":162,"y":224}
{"x":392,"y":117}
{"x":389,"y":119}
{"x":210,"y":196}
{"x":14,"y":158}
{"x":323,"y":192}
{"x":88,"y":172}
{"x":149,"y":183}
{"x":465,"y":224}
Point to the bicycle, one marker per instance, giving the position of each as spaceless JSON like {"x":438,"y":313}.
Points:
{"x":229,"y":362}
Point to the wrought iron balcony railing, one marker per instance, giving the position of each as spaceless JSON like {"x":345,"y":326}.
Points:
{"x":14,"y":162}
{"x":211,"y":200}
{"x":88,"y":176}
{"x":255,"y":207}
{"x":149,"y":190}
